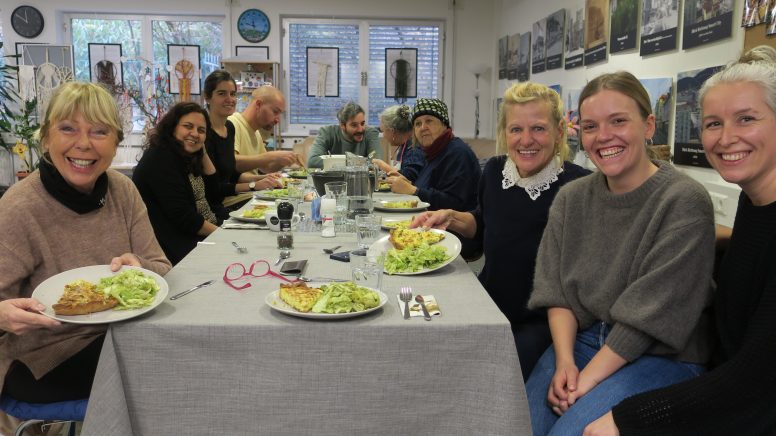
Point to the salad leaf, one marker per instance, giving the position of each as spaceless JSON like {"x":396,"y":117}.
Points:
{"x":344,"y":298}
{"x":415,"y":259}
{"x":131,"y":287}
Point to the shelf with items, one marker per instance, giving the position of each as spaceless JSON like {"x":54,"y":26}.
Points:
{"x":250,"y":74}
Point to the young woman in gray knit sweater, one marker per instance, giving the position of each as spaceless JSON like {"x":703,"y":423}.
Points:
{"x":624,"y":269}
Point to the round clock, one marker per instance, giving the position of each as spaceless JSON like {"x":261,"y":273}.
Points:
{"x":253,"y":25}
{"x":27,"y":21}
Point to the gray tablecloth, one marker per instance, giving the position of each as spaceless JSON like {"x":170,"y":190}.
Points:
{"x":221,"y":361}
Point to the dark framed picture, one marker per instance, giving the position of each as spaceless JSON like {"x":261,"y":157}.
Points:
{"x":258,"y":52}
{"x":401,"y":73}
{"x":20,"y":52}
{"x":105,"y":64}
{"x":184,"y":72}
{"x":322,"y":72}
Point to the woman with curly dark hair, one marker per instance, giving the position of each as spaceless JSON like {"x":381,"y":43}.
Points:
{"x":178,"y":181}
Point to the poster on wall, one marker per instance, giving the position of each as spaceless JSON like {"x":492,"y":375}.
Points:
{"x":513,"y":47}
{"x":524,"y":57}
{"x":771,"y":25}
{"x":401,"y":73}
{"x":624,"y":25}
{"x":687,"y":140}
{"x":322,"y":72}
{"x":502,"y":57}
{"x":555,"y":27}
{"x":754,"y":12}
{"x":660,"y":95}
{"x":571,"y":114}
{"x":538,"y":37}
{"x":183,"y":67}
{"x":105,"y":64}
{"x":706,"y":21}
{"x":575,"y":36}
{"x":596,"y":28}
{"x":659,"y":23}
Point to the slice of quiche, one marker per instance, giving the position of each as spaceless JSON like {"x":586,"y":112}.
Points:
{"x":82,"y":297}
{"x":299,"y":296}
{"x":406,"y":204}
{"x":411,"y":238}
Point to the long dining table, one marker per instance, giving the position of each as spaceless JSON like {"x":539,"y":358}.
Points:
{"x":222,"y":361}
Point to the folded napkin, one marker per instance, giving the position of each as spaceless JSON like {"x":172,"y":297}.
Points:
{"x":234,"y":224}
{"x":415,"y":310}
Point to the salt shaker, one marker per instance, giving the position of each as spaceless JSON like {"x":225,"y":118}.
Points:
{"x":328,"y":210}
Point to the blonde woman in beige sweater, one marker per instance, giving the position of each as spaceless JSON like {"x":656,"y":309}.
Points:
{"x":72,"y":212}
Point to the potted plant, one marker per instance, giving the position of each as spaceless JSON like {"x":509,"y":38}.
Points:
{"x":18,"y":121}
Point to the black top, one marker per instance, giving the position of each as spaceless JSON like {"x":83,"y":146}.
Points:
{"x":162,"y":179}
{"x":734,"y":397}
{"x":221,"y":152}
{"x":510,"y":227}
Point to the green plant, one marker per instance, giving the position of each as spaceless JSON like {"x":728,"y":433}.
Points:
{"x":18,"y":119}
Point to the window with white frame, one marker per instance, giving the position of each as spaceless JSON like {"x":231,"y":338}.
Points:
{"x":361,"y":47}
{"x":143,"y":40}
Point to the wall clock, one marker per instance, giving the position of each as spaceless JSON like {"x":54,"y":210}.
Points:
{"x":27,"y":21}
{"x":253,"y":25}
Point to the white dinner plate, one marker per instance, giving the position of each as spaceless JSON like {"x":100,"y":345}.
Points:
{"x":263,"y":195}
{"x":386,"y":222}
{"x":237,"y":214}
{"x":380,"y":205}
{"x":273,"y":301}
{"x":49,"y":291}
{"x":451,"y":243}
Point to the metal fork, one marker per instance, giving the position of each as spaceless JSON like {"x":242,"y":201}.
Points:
{"x":405,"y":295}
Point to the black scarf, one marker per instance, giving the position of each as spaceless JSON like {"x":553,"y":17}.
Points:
{"x":78,"y":202}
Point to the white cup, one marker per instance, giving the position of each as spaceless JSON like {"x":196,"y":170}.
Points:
{"x":331,"y":161}
{"x":273,"y":222}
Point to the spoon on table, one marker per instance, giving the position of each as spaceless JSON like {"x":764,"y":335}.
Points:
{"x":426,"y":315}
{"x":284,"y":254}
{"x":331,"y":250}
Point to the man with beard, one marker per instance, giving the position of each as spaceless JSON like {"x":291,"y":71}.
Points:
{"x":352,"y":135}
{"x":263,"y":113}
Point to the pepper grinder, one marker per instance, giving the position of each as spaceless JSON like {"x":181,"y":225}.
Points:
{"x":285,"y":237}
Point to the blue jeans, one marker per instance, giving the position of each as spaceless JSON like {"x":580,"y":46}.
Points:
{"x":643,"y":374}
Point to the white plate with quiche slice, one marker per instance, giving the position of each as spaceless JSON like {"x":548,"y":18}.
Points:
{"x":273,"y":300}
{"x":450,"y":242}
{"x":400,"y":205}
{"x":50,"y":290}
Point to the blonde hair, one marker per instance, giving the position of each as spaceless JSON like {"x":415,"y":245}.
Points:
{"x":521,"y":93}
{"x":92,"y":100}
{"x":757,"y":66}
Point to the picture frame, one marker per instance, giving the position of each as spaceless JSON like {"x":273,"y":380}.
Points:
{"x":105,"y":64}
{"x":401,"y":71}
{"x":323,"y":72}
{"x":257,"y":52}
{"x":177,"y":68}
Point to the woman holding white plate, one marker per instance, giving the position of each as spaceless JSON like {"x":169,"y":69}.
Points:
{"x":515,"y":194}
{"x":72,"y":212}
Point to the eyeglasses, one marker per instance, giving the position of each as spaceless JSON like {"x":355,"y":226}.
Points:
{"x":259,"y":268}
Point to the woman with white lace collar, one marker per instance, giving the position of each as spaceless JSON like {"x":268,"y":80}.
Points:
{"x":515,"y":193}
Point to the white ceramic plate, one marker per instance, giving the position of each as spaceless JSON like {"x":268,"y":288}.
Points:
{"x":273,"y":301}
{"x":237,"y":214}
{"x":263,"y":195}
{"x":49,"y":291}
{"x":387,"y":222}
{"x":451,"y":243}
{"x":380,"y":205}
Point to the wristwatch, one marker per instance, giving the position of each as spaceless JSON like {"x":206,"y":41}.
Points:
{"x":252,"y":186}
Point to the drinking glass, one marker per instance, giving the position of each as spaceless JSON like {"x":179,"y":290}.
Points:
{"x":296,"y":190}
{"x":366,"y":267}
{"x":367,"y":229}
{"x":338,"y":191}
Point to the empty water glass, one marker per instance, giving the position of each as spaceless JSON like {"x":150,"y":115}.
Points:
{"x":366,"y":267}
{"x":367,"y":229}
{"x":338,"y":191}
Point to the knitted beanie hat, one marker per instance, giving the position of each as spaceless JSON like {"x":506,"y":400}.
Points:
{"x":433,"y":107}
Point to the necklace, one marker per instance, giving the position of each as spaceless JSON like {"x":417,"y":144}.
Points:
{"x":535,"y":184}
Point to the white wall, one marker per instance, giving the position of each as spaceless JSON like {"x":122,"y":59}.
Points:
{"x":518,"y":16}
{"x":468,"y":27}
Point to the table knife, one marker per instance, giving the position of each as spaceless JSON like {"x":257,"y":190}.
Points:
{"x":201,"y":285}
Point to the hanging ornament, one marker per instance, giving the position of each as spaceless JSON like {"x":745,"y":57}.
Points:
{"x":400,"y":71}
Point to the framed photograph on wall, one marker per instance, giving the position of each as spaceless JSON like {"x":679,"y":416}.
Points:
{"x":257,"y":52}
{"x":322,"y":72}
{"x":183,"y":69}
{"x":105,"y":64}
{"x":401,"y":73}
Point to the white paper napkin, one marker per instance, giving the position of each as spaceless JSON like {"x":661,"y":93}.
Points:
{"x":234,"y":224}
{"x":415,"y":310}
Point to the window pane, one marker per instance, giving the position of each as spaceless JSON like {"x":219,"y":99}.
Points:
{"x":321,"y":110}
{"x":207,"y":35}
{"x":425,"y":39}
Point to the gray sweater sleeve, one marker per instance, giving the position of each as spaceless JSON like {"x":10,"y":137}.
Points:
{"x":324,"y":142}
